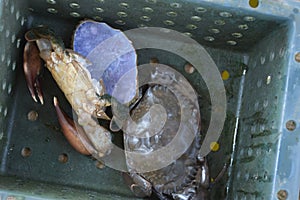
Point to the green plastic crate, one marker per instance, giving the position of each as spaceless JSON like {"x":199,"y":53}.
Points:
{"x":258,"y":45}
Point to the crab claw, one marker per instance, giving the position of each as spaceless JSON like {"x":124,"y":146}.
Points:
{"x":73,"y":132}
{"x":32,"y":66}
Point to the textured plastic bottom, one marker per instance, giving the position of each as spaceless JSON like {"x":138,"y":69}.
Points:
{"x":254,"y":84}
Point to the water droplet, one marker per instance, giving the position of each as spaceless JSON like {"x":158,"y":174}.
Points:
{"x":8,"y":61}
{"x":98,"y":18}
{"x":269,"y":78}
{"x":272,"y":56}
{"x":253,"y":129}
{"x":220,"y":22}
{"x":7,"y":33}
{"x":13,"y":38}
{"x":249,"y":18}
{"x":13,"y":67}
{"x":243,"y":26}
{"x":147,"y":9}
{"x":151,"y":1}
{"x":122,"y":14}
{"x":258,"y":83}
{"x":17,"y":15}
{"x":141,"y":25}
{"x":12,"y":9}
{"x":237,"y":35}
{"x":262,"y":60}
{"x":98,"y":9}
{"x":51,"y":1}
{"x":191,"y":26}
{"x":75,"y":14}
{"x":9,"y":88}
{"x":256,"y":105}
{"x":169,"y":23}
{"x":282,"y":52}
{"x":225,"y":14}
{"x":74,"y":5}
{"x":266,"y":103}
{"x":214,"y":30}
{"x":175,"y":5}
{"x":209,"y":38}
{"x":124,"y":5}
{"x":5,"y":112}
{"x":250,"y":151}
{"x":231,"y":42}
{"x":4,"y":85}
{"x":18,"y":43}
{"x":196,"y":18}
{"x":120,"y":22}
{"x":200,"y":10}
{"x":172,"y":14}
{"x":188,"y":34}
{"x":52,"y":10}
{"x":145,"y":18}
{"x":3,"y":57}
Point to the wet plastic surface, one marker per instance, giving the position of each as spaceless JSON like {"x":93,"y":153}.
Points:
{"x":255,"y":46}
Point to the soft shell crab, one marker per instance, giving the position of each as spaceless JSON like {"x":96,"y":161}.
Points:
{"x":72,"y":72}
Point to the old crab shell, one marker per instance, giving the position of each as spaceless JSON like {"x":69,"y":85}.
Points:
{"x":113,"y":58}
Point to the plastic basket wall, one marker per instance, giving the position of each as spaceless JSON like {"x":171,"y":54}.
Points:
{"x":258,"y":47}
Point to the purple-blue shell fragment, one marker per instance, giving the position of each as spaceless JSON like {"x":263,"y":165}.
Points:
{"x":112,"y":56}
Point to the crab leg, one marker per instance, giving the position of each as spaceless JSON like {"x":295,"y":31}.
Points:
{"x":32,"y":66}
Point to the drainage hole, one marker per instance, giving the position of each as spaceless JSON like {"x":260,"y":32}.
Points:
{"x":282,"y":195}
{"x":189,"y":68}
{"x":63,"y":158}
{"x":297,"y":57}
{"x":26,"y":152}
{"x":254,"y":3}
{"x":32,"y":115}
{"x":290,"y":125}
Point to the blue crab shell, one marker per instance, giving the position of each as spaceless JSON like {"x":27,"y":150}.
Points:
{"x":112,"y":56}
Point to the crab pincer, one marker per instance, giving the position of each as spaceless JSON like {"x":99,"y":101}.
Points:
{"x":32,"y":65}
{"x":73,"y":131}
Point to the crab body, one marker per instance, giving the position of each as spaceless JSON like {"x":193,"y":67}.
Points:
{"x":70,"y":71}
{"x":166,"y":115}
